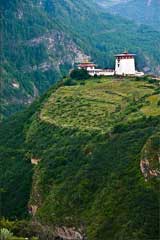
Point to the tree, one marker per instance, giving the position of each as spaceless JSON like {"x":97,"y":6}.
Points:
{"x":79,"y":74}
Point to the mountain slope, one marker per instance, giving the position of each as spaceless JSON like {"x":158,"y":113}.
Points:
{"x":35,"y":50}
{"x":143,"y":12}
{"x":89,"y":139}
{"x":42,"y":40}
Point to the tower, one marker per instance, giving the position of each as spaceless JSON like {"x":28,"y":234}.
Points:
{"x":125,"y":64}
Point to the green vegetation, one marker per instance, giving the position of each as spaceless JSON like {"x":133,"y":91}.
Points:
{"x":79,"y":74}
{"x":100,"y":104}
{"x":14,"y":230}
{"x":5,"y":234}
{"x":89,"y":139}
{"x":40,"y":43}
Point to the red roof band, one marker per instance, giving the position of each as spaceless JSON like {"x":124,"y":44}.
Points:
{"x":87,"y":65}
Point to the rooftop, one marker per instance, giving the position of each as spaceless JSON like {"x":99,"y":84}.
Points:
{"x":86,"y":64}
{"x":125,"y":54}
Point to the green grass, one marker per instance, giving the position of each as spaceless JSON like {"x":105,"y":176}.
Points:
{"x":97,"y":105}
{"x":152,"y":108}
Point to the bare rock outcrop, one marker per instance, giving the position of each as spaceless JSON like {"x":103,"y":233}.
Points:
{"x":32,"y":209}
{"x":150,"y":158}
{"x":68,"y":233}
{"x":35,"y":161}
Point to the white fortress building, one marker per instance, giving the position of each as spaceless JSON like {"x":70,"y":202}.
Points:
{"x":124,"y":66}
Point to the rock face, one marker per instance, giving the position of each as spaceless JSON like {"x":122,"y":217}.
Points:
{"x":147,"y":171}
{"x":35,"y":161}
{"x":150,"y":158}
{"x":68,"y":233}
{"x":32,"y":209}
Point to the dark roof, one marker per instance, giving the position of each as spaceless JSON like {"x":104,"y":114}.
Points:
{"x":125,"y":54}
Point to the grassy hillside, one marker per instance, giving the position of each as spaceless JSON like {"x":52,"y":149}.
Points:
{"x":89,"y":138}
{"x":41,"y":41}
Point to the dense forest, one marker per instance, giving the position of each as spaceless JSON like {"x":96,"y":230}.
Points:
{"x":42,"y":40}
{"x":89,"y":138}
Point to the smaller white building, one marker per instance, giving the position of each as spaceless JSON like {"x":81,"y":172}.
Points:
{"x":93,"y":71}
{"x":89,"y":66}
{"x":101,"y":72}
{"x":125,"y":64}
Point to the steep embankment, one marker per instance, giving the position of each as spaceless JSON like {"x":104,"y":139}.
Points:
{"x":87,"y":141}
{"x":41,"y":41}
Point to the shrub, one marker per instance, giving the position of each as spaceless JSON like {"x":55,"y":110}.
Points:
{"x":69,"y":82}
{"x":5,"y":234}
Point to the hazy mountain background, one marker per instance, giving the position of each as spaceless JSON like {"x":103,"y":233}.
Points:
{"x":109,"y":3}
{"x":41,"y":41}
{"x":141,"y":11}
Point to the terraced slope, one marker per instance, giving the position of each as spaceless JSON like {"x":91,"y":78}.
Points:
{"x":99,"y":105}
